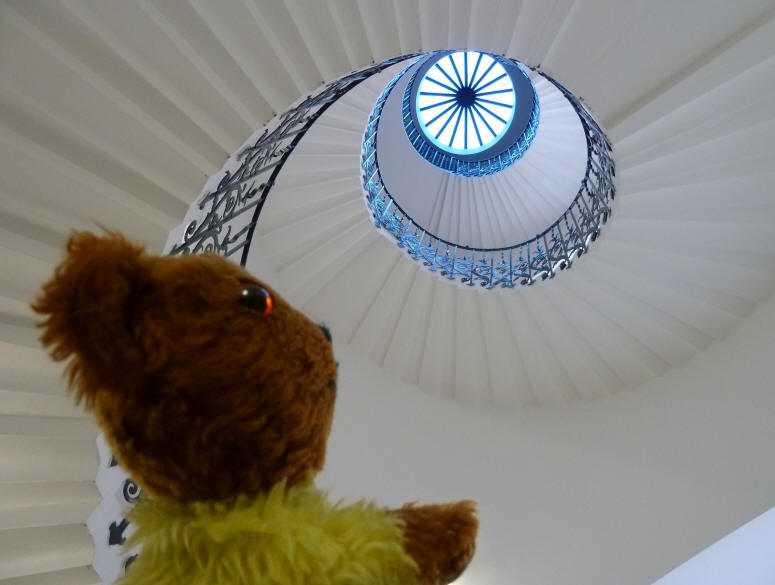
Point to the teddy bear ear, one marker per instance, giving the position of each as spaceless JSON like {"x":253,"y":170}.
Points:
{"x":88,"y":309}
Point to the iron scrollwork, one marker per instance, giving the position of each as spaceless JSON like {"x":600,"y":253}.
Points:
{"x":222,"y":228}
{"x":116,"y":532}
{"x":131,"y":491}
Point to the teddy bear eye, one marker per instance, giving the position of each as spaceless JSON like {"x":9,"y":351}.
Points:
{"x":256,"y":298}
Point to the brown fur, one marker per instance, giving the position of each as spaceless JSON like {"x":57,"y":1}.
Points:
{"x":440,"y":538}
{"x":201,"y":397}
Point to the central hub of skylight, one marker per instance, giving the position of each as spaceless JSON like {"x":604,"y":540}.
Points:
{"x":465,"y":102}
{"x":466,"y":96}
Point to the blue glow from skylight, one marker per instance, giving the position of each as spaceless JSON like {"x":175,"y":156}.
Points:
{"x":465,"y":102}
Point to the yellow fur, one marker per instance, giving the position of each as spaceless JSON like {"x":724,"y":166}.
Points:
{"x":290,"y":536}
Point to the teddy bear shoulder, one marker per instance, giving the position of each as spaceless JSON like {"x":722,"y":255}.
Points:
{"x":286,"y":536}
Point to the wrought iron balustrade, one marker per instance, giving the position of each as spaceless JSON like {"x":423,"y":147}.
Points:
{"x":229,"y":212}
{"x":524,"y":263}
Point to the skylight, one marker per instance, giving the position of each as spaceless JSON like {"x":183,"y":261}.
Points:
{"x":469,"y":113}
{"x":465,"y":102}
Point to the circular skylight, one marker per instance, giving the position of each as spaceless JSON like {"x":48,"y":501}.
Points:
{"x":465,"y":102}
{"x":469,"y":113}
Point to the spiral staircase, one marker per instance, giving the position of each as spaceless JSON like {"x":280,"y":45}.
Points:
{"x":118,"y":113}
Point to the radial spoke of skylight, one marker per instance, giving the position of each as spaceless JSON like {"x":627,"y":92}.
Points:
{"x":446,"y":73}
{"x":481,"y":87}
{"x":457,"y":126}
{"x":473,"y":128}
{"x":503,"y":83}
{"x":480,"y":100}
{"x":437,"y":104}
{"x":476,"y":110}
{"x":486,"y":71}
{"x":444,"y":85}
{"x":425,"y":98}
{"x":479,"y":93}
{"x":476,"y":67}
{"x":489,"y":111}
{"x":457,"y":73}
{"x":448,"y":119}
{"x":435,"y":118}
{"x":465,"y":128}
{"x":459,"y":143}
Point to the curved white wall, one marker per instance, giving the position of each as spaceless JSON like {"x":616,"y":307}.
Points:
{"x":600,"y":493}
{"x":745,"y":557}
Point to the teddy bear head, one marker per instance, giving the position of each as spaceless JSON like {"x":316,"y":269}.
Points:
{"x":205,"y":381}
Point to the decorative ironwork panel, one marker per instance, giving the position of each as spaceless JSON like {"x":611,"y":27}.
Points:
{"x":107,"y":523}
{"x":228,"y":213}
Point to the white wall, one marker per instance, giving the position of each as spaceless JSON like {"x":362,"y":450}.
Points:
{"x":613,"y":492}
{"x":745,"y":557}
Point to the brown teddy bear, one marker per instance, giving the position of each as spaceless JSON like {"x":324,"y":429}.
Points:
{"x":217,"y":396}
